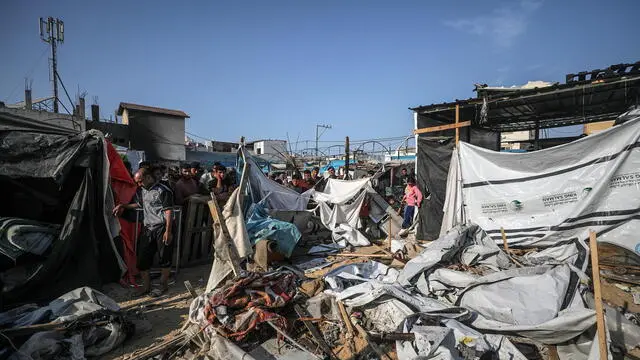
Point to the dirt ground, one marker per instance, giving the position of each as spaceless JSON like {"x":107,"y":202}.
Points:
{"x":165,"y":315}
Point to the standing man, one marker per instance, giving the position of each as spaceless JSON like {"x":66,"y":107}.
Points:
{"x":332,"y":172}
{"x":404,"y":176}
{"x":413,"y":198}
{"x":196,"y":171}
{"x":306,"y":176}
{"x":186,"y":186}
{"x":157,"y":235}
{"x":221,"y":185}
{"x":297,"y":184}
{"x":315,"y":175}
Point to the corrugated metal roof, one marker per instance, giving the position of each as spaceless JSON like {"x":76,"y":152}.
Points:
{"x":157,"y":110}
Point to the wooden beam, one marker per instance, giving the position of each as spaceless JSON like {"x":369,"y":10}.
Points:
{"x":457,"y":122}
{"x":442,"y":127}
{"x":597,"y":294}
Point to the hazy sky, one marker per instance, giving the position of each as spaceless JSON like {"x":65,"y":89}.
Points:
{"x":263,"y":69}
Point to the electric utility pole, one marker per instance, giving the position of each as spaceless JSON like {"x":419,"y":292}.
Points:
{"x":52,"y":32}
{"x":320,"y":134}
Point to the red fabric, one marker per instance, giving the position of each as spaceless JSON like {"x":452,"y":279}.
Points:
{"x":121,"y":182}
{"x":128,"y":233}
{"x":123,"y":189}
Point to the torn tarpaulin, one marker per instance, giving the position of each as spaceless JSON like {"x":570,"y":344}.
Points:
{"x":339,"y":205}
{"x":440,"y":334}
{"x":260,"y":226}
{"x":244,"y":302}
{"x":539,"y":302}
{"x":84,"y":307}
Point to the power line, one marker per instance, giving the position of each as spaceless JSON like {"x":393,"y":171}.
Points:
{"x":28,"y":74}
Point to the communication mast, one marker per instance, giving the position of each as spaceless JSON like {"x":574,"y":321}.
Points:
{"x":52,"y":32}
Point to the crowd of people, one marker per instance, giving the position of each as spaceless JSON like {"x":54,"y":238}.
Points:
{"x":159,"y":190}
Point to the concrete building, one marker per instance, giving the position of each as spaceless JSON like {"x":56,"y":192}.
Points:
{"x":157,"y":131}
{"x":40,"y":110}
{"x":271,"y":150}
{"x":594,"y":128}
{"x":516,"y":140}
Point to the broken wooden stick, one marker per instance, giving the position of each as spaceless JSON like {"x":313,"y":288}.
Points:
{"x":373,"y":345}
{"x":504,"y":240}
{"x":281,"y":332}
{"x":347,"y":322}
{"x":313,"y":330}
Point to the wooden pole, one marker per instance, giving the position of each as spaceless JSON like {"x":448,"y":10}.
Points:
{"x":597,"y":294}
{"x":504,"y":240}
{"x":457,"y":121}
{"x":390,"y":223}
{"x":346,"y":158}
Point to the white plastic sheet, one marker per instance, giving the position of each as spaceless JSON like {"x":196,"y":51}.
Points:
{"x":548,"y":196}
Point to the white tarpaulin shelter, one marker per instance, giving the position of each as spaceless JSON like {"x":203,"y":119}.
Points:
{"x":554,"y":195}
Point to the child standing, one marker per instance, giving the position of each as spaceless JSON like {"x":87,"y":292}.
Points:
{"x":412,"y":197}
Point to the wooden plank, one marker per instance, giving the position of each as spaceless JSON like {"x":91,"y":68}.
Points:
{"x":442,"y":127}
{"x":457,"y":122}
{"x":373,"y":345}
{"x":190,"y":288}
{"x":597,"y":294}
{"x":345,"y":318}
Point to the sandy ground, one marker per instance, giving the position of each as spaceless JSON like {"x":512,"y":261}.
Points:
{"x":165,"y":315}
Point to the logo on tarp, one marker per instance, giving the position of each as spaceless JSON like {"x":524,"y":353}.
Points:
{"x":586,"y":190}
{"x":516,"y":205}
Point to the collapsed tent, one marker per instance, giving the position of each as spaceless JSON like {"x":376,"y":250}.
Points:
{"x":86,"y":323}
{"x":57,"y":180}
{"x":554,"y":195}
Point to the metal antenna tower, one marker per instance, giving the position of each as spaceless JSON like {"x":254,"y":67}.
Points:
{"x":52,"y":32}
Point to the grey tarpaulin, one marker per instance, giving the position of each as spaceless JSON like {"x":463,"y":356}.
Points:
{"x":541,"y":300}
{"x":434,"y":156}
{"x":74,"y":344}
{"x":62,"y":179}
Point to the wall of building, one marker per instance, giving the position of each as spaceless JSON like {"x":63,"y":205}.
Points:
{"x":62,"y":120}
{"x":270,"y":147}
{"x":160,"y":136}
{"x":594,"y":128}
{"x":222,"y":146}
{"x":119,"y":133}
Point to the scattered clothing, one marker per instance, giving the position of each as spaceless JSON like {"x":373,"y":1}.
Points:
{"x":239,"y":306}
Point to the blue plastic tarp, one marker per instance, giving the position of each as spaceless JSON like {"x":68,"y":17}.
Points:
{"x":261,"y":226}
